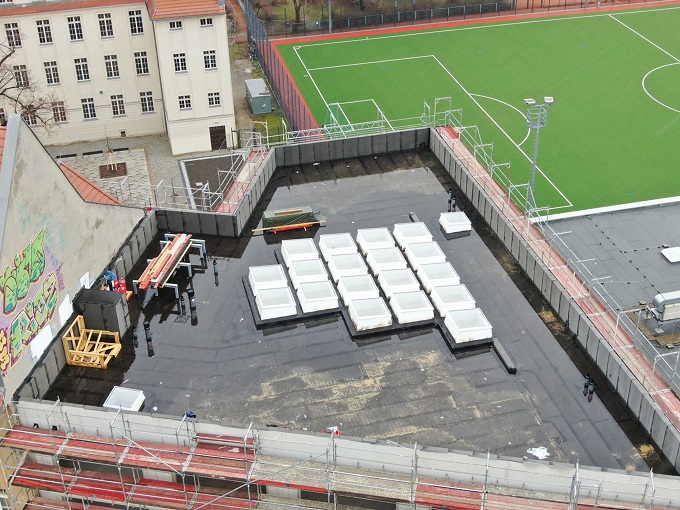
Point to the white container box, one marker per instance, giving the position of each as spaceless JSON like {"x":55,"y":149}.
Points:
{"x":275,"y":303}
{"x":381,"y":259}
{"x":315,"y":296}
{"x":266,"y":277}
{"x":357,"y":287}
{"x":298,"y":249}
{"x":336,"y":244}
{"x":126,"y":399}
{"x":374,"y":238}
{"x":303,"y":271}
{"x":455,"y":223}
{"x":468,"y":325}
{"x":424,"y":253}
{"x":369,"y":314}
{"x":447,"y":298}
{"x":346,"y":265}
{"x":439,"y":273}
{"x":398,"y":280}
{"x":411,"y":307}
{"x":406,"y":233}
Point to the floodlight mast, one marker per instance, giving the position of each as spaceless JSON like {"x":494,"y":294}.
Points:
{"x":537,"y":118}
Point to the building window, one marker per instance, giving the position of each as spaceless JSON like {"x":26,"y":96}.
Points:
{"x":175,"y":25}
{"x":105,"y":25}
{"x":213,"y":98}
{"x":146,"y":99}
{"x":206,"y":22}
{"x":210,"y":59}
{"x":30,"y":117}
{"x":51,"y":73}
{"x":58,"y":111}
{"x":184,"y":102}
{"x":141,"y":63}
{"x":88,"y":108}
{"x":180,"y":62}
{"x":117,"y":105}
{"x":111,"y":64}
{"x":13,"y":35}
{"x":44,"y":31}
{"x":20,"y":75}
{"x":82,"y":71}
{"x":75,"y":28}
{"x":3,"y":122}
{"x":4,"y":500}
{"x":136,"y":25}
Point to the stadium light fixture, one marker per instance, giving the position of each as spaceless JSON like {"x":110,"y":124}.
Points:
{"x":537,"y":118}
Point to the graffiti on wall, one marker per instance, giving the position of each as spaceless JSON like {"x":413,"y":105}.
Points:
{"x":29,"y":289}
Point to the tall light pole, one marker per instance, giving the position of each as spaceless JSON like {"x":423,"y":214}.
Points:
{"x":330,"y":18}
{"x":537,"y":118}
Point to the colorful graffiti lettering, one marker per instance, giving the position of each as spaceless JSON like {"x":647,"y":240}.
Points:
{"x":18,"y":283}
{"x":29,"y":265}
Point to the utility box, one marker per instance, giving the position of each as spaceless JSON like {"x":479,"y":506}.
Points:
{"x":667,"y":306}
{"x":258,"y":95}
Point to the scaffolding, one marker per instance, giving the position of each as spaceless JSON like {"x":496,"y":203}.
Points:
{"x":55,"y":465}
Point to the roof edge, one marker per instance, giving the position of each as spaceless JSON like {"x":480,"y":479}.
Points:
{"x":14,"y":122}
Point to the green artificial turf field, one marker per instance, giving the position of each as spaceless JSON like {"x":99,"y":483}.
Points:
{"x":612,"y":134}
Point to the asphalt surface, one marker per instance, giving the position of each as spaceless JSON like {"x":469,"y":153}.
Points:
{"x":407,"y":388}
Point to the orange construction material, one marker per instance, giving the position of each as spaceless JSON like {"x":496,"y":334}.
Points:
{"x":160,"y":269}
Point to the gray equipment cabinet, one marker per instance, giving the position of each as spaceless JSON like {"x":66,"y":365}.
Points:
{"x":258,"y":95}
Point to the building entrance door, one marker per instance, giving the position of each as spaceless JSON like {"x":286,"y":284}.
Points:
{"x":218,"y":137}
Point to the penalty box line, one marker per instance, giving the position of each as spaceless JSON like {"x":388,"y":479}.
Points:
{"x":460,"y":85}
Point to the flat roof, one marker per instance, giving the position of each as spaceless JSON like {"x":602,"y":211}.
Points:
{"x":309,"y":376}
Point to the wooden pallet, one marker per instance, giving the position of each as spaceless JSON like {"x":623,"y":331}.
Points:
{"x":90,"y":347}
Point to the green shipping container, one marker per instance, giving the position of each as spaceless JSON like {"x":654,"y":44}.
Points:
{"x":292,"y":216}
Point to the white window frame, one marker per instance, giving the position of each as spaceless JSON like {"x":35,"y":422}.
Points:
{"x":21,"y":76}
{"x":89,"y":108}
{"x":111,"y":65}
{"x":51,"y":72}
{"x":141,"y":63}
{"x":59,"y":112}
{"x":214,"y":99}
{"x":180,"y":60}
{"x":206,"y":22}
{"x":13,"y":35}
{"x":176,"y":25}
{"x":184,"y":102}
{"x":136,"y":22}
{"x":44,"y":31}
{"x":105,"y":25}
{"x":30,"y":117}
{"x":75,"y":28}
{"x":82,"y":69}
{"x":117,"y":105}
{"x":146,"y":101}
{"x":210,"y":60}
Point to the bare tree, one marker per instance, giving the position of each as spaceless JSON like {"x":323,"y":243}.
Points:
{"x":297,"y":5}
{"x":19,"y":92}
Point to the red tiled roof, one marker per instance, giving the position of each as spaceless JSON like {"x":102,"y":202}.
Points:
{"x":68,"y":5}
{"x":160,"y":9}
{"x":2,"y":142}
{"x":89,"y":191}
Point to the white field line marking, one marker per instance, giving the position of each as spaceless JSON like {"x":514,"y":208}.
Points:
{"x":482,"y":26}
{"x":511,"y":106}
{"x":382,"y":114}
{"x":643,"y":37}
{"x":644,"y":79}
{"x":310,"y":77}
{"x":644,"y":87}
{"x":506,"y":134}
{"x":367,"y":63}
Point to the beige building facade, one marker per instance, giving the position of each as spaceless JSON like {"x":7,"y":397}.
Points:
{"x":118,"y":68}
